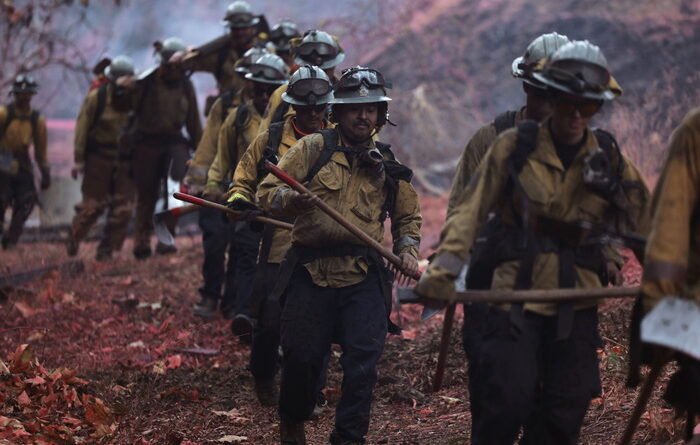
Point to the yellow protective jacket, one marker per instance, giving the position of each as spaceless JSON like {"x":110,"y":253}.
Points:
{"x":672,"y":259}
{"x":357,"y":193}
{"x":471,"y":158}
{"x":98,"y":136}
{"x":553,"y":192}
{"x":19,"y":136}
{"x":233,"y":141}
{"x":162,"y":111}
{"x":246,"y":179}
{"x":206,"y":149}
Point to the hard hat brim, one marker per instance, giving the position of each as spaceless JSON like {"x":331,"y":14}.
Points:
{"x":337,"y":60}
{"x":254,"y":22}
{"x":360,"y":100}
{"x":602,"y":95}
{"x":250,"y":76}
{"x":323,"y":100}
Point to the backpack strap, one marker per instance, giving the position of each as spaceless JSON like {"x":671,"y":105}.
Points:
{"x":504,"y":121}
{"x":330,"y":144}
{"x":101,"y":104}
{"x":226,"y":103}
{"x":280,"y":111}
{"x":271,"y":151}
{"x":611,"y":148}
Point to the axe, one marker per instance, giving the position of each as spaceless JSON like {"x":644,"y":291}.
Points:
{"x":213,"y":205}
{"x":673,"y":324}
{"x":163,"y":221}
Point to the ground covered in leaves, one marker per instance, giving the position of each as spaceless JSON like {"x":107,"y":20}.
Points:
{"x":113,"y":355}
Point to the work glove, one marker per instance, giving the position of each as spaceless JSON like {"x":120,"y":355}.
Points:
{"x":195,"y":180}
{"x":77,"y":170}
{"x":212,"y":192}
{"x":247,"y":211}
{"x":45,"y":178}
{"x":436,"y":286}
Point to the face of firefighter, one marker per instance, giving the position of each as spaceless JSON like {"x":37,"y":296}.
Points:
{"x":571,"y":115}
{"x":309,"y":119}
{"x":121,"y":99}
{"x":358,"y":121}
{"x":261,"y":95}
{"x":538,"y":105}
{"x":241,"y":37}
{"x":23,"y":100}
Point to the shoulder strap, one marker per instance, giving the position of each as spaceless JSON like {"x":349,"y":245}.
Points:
{"x":101,"y":103}
{"x":524,"y":144}
{"x":504,"y":121}
{"x":611,"y":148}
{"x":330,"y":142}
{"x":271,"y":151}
{"x":220,"y":60}
{"x":280,"y":111}
{"x":242,"y":114}
{"x":226,"y":104}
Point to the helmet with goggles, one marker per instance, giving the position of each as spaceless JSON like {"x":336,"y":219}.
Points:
{"x":120,"y":66}
{"x":540,"y":48}
{"x":243,"y":64}
{"x":360,"y":85}
{"x":578,"y":68}
{"x":320,"y":49}
{"x":240,"y":15}
{"x":309,"y":85}
{"x":24,"y":83}
{"x":281,"y":33}
{"x":270,"y":69}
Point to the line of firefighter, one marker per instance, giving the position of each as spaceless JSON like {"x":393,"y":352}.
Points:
{"x":520,"y":191}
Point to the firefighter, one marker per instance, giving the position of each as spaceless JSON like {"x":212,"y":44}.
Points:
{"x":317,"y":48}
{"x":107,"y":182}
{"x":164,"y":102}
{"x":542,"y":194}
{"x":213,"y":224}
{"x":309,"y":92}
{"x":21,"y":126}
{"x":237,"y":132}
{"x":336,"y":291}
{"x":672,"y":259}
{"x":219,"y":56}
{"x":280,"y":38}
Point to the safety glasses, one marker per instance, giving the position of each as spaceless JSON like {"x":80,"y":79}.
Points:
{"x":567,"y":104}
{"x":353,"y":78}
{"x":304,"y":87}
{"x":240,"y":20}
{"x":265,"y":72}
{"x":319,"y":49}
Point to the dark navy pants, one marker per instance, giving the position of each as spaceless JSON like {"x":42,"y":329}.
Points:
{"x":314,"y":317}
{"x":216,"y":232}
{"x":264,"y":353}
{"x":245,"y":244}
{"x":529,"y":379}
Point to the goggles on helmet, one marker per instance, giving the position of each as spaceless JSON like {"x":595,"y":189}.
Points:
{"x":303,"y":88}
{"x":587,"y":77}
{"x":353,"y":78}
{"x":265,"y":72}
{"x":240,"y":20}
{"x":316,"y":49}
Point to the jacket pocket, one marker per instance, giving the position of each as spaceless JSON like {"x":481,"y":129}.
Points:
{"x":329,"y":179}
{"x":592,"y":207}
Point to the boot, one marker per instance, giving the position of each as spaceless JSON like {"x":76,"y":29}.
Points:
{"x":242,"y":327}
{"x":292,"y":433}
{"x":164,"y":249}
{"x":206,"y":307}
{"x":335,"y":439}
{"x":143,"y":252}
{"x":267,"y":391}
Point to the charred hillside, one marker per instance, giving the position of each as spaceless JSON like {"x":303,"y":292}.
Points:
{"x":453,"y":73}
